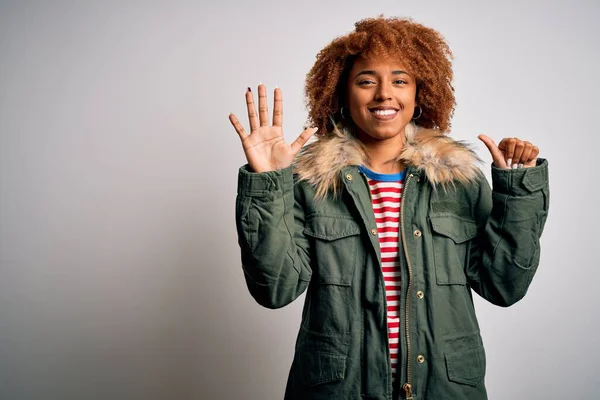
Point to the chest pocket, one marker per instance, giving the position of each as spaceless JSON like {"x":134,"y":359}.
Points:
{"x":451,"y":244}
{"x":336,"y":245}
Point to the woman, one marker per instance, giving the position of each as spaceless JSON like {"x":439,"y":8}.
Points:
{"x":385,"y":221}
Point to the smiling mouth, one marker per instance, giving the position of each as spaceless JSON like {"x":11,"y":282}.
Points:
{"x":384,"y":115}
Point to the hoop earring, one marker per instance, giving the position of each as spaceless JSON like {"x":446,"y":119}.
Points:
{"x":342,"y":112}
{"x":420,"y":113}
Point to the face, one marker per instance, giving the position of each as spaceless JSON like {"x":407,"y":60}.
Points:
{"x":381,"y":98}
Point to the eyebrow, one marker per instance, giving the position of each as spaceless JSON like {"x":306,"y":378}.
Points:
{"x":371,"y":72}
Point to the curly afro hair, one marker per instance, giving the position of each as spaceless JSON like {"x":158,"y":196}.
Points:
{"x":423,"y":50}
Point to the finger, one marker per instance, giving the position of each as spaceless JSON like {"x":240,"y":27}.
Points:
{"x":507,"y":145}
{"x":302,"y":139}
{"x":535,"y":151}
{"x":526,"y":155}
{"x":251,"y":111}
{"x":531,"y":163}
{"x":277,"y":107}
{"x":237,"y":126}
{"x":502,"y":148}
{"x":497,"y":155}
{"x":519,"y":147}
{"x":511,"y":147}
{"x":263,"y":109}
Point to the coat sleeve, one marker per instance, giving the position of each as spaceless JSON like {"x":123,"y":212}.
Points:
{"x":270,"y":222}
{"x":504,"y":256}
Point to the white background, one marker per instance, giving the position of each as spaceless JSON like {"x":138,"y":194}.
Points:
{"x":120,"y":273}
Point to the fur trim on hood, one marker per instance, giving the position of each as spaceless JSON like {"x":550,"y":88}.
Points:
{"x":443,"y":159}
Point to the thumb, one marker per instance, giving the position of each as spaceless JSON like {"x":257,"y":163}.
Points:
{"x":497,"y":155}
{"x":302,"y":139}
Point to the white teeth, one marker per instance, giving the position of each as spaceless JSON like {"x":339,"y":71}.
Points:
{"x":384,"y":112}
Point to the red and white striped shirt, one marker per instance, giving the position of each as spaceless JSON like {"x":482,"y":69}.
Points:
{"x":386,"y":194}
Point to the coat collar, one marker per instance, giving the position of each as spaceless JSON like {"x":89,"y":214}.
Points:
{"x":443,"y":160}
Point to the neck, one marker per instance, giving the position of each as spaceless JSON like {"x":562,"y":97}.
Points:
{"x":383,"y":153}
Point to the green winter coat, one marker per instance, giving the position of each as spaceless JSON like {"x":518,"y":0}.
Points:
{"x":311,"y":227}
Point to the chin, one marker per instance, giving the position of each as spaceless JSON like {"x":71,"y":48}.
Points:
{"x":383,"y":134}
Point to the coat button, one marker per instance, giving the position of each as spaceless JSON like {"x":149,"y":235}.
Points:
{"x":417,"y":233}
{"x":420,"y":294}
{"x":420,"y":359}
{"x":374,"y":232}
{"x":349,"y":177}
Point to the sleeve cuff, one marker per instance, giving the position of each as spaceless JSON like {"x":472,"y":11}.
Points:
{"x":259,"y":184}
{"x":520,"y":181}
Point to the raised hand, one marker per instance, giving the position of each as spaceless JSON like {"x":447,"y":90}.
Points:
{"x":265,"y":146}
{"x":511,"y":152}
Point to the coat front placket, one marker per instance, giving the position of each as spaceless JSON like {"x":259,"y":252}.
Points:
{"x":357,"y":186}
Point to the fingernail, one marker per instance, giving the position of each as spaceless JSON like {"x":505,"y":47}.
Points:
{"x":514,"y":166}
{"x":249,"y":89}
{"x":509,"y":161}
{"x":276,"y":86}
{"x":520,"y":165}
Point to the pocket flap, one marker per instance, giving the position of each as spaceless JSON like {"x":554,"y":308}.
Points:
{"x":315,"y":367}
{"x":459,"y":229}
{"x":466,"y":366}
{"x":330,"y":227}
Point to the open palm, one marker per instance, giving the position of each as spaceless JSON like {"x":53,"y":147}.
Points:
{"x":265,"y":146}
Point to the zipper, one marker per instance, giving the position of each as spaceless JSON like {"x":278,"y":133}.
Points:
{"x":408,"y":391}
{"x":382,"y":280}
{"x":407,"y":386}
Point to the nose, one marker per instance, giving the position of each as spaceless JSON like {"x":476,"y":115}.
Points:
{"x":384,"y":91}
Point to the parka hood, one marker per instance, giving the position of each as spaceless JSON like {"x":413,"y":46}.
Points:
{"x":443,"y":159}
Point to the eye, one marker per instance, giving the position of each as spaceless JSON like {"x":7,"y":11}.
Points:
{"x":401,"y":81}
{"x":365,"y":82}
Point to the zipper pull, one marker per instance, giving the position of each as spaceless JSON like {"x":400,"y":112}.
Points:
{"x":408,"y":391}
